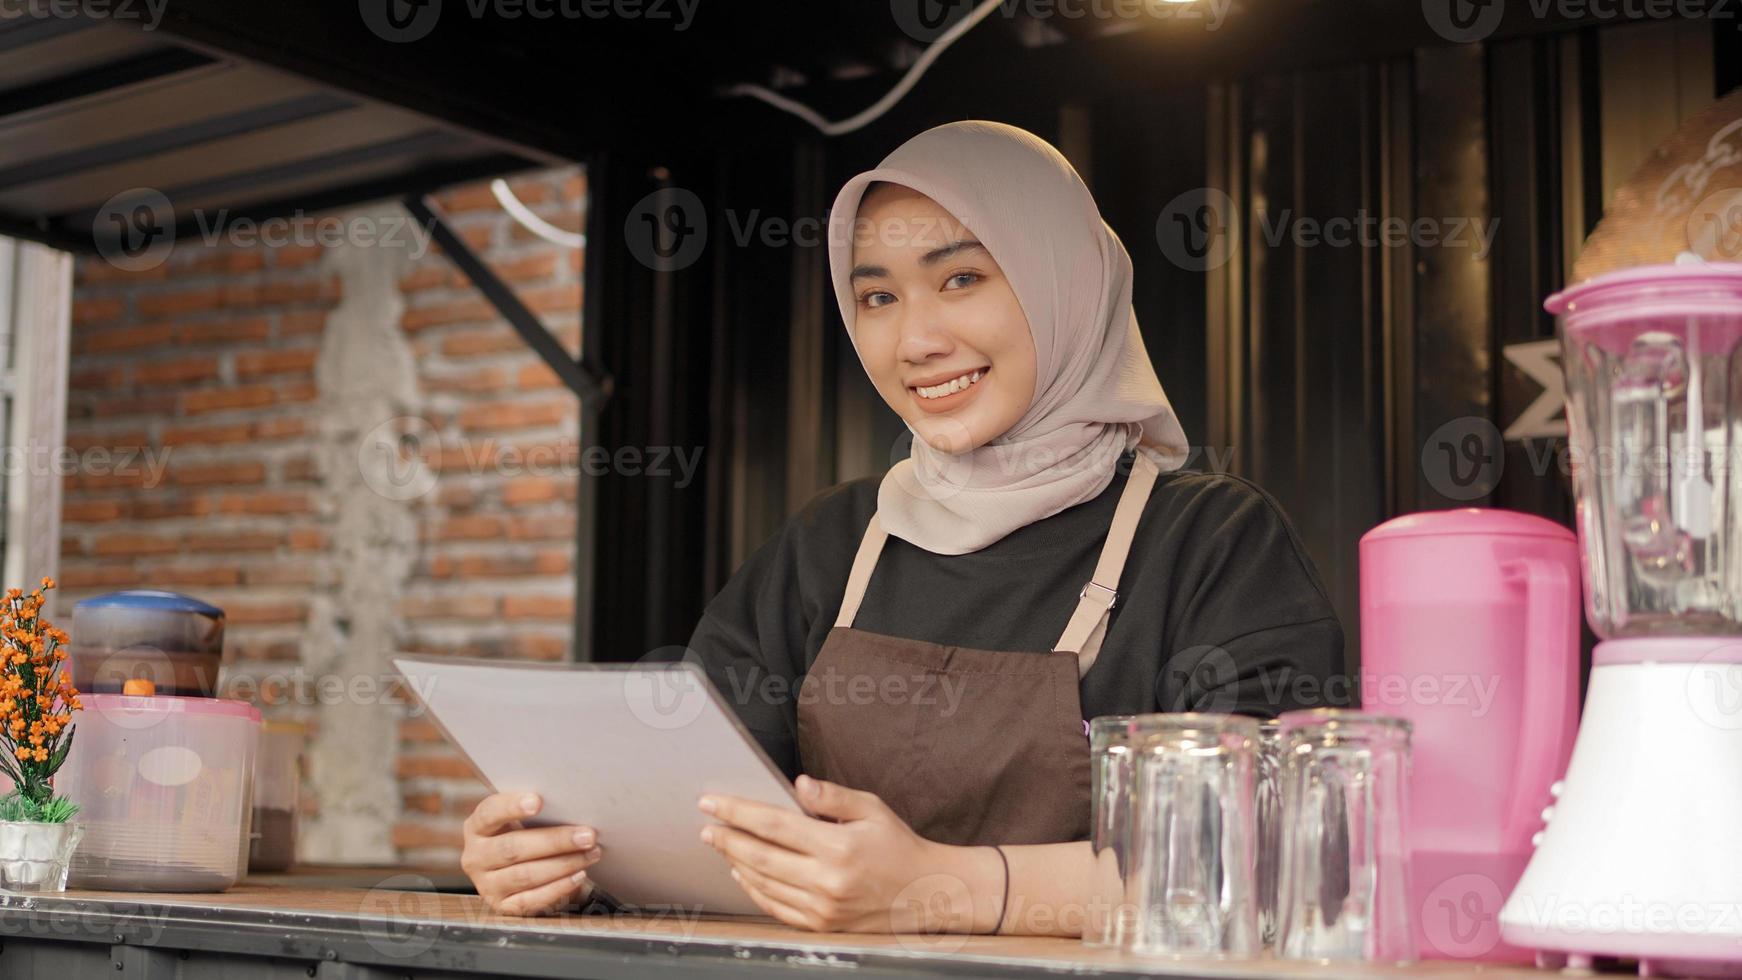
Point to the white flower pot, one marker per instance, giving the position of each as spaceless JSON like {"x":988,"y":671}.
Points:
{"x":34,"y":856}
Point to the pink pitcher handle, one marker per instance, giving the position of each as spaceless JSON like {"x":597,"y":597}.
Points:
{"x":1550,"y":683}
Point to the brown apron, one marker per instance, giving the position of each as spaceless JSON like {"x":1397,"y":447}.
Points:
{"x":968,"y":746}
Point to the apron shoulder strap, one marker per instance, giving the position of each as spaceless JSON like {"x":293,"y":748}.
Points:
{"x":1083,"y":633}
{"x":869,"y":548}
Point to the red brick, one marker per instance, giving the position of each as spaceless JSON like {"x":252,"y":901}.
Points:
{"x":432,"y":277}
{"x":269,"y":650}
{"x":576,"y":257}
{"x":90,"y":511}
{"x":263,"y":613}
{"x":196,"y":574}
{"x":474,"y":528}
{"x":220,"y":473}
{"x":575,"y":187}
{"x":411,"y":836}
{"x":471,"y":197}
{"x":247,"y":330}
{"x":542,"y":528}
{"x":465,"y":605}
{"x":97,"y":379}
{"x":298,"y":392}
{"x":531,"y":268}
{"x":187,"y":435}
{"x":253,"y":364}
{"x":97,"y":576}
{"x":123,"y":338}
{"x":264,"y":502}
{"x":299,"y":470}
{"x":523,"y":490}
{"x":224,"y":399}
{"x":297,"y":256}
{"x":567,"y":218}
{"x":246,"y":295}
{"x":133,"y":480}
{"x":499,"y":566}
{"x":157,"y":403}
{"x":181,"y":301}
{"x":308,"y":539}
{"x":432,"y":766}
{"x":537,"y":646}
{"x":470,"y":381}
{"x":235,"y":541}
{"x":300,"y":323}
{"x":218,"y":261}
{"x":532,"y":191}
{"x":430,"y":803}
{"x":472,"y":343}
{"x":553,"y":299}
{"x":97,"y":271}
{"x":496,"y":416}
{"x":156,"y":506}
{"x":538,"y":607}
{"x":470,"y":310}
{"x":282,"y":428}
{"x":303,"y":572}
{"x":124,"y":439}
{"x":178,"y":371}
{"x":420,"y":730}
{"x":533,"y":377}
{"x":134,"y":544}
{"x":98,"y":310}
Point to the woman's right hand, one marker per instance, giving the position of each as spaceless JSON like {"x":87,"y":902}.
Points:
{"x":525,"y":872}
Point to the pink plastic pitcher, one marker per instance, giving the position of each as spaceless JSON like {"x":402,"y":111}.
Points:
{"x":1470,"y":630}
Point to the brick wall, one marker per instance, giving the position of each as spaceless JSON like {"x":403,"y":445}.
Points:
{"x":220,"y":369}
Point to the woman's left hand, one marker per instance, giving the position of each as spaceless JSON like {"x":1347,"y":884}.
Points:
{"x":869,"y":872}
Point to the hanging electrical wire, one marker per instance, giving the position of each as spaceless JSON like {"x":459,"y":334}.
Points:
{"x":894,"y":95}
{"x":531,"y":222}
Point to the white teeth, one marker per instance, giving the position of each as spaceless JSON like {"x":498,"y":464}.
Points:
{"x":949,"y":387}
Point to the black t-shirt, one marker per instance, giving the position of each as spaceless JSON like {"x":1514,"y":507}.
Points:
{"x":1219,"y":607}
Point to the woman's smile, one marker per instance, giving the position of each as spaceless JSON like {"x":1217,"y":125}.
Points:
{"x":944,"y":393}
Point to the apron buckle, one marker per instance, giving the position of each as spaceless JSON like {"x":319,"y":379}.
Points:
{"x":1112,"y":594}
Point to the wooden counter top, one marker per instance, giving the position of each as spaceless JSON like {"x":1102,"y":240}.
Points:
{"x":388,"y":921}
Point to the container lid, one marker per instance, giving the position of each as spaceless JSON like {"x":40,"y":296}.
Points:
{"x":170,"y":704}
{"x":149,"y":599}
{"x":1488,"y":521}
{"x":1642,"y":278}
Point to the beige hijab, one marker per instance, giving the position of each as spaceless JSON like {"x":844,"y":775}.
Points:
{"x":1095,"y":393}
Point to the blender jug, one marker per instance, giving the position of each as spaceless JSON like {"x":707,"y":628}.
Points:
{"x":1652,"y":380}
{"x":1638,"y":857}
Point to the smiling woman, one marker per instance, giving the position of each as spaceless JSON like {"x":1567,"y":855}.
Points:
{"x":1041,"y":559}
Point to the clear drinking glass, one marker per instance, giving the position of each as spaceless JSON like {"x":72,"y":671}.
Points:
{"x":1194,"y":831}
{"x":1112,"y":738}
{"x":1343,"y":892}
{"x":1268,"y":796}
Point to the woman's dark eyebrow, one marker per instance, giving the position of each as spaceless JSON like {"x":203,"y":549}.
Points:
{"x":932,"y":257}
{"x":937,"y":255}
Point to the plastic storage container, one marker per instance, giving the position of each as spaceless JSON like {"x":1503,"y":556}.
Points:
{"x":1653,"y":381}
{"x":165,"y":789}
{"x":173,"y":640}
{"x":277,"y":786}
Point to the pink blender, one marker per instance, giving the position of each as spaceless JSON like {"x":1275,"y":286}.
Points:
{"x":1640,"y":858}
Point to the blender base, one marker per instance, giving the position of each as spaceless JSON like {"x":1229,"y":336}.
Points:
{"x":1641,"y":858}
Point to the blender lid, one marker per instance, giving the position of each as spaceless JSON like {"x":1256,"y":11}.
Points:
{"x":149,"y":599}
{"x":169,"y":704}
{"x":1488,"y":521}
{"x":1692,"y":273}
